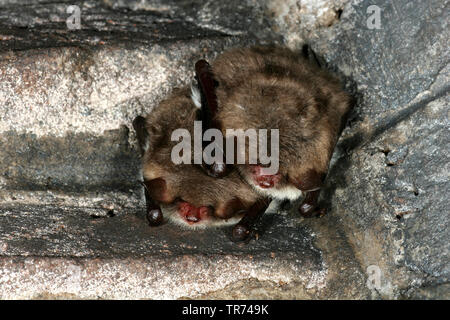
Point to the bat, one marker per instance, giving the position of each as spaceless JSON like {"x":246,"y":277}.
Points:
{"x":256,"y":88}
{"x":275,"y":88}
{"x":183,"y":193}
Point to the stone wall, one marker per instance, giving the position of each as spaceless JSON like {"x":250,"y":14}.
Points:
{"x":71,"y":210}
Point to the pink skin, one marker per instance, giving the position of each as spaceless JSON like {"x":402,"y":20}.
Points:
{"x":192,"y":214}
{"x":264,"y":181}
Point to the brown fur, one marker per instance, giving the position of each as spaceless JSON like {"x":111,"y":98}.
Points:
{"x":185,"y":182}
{"x":258,"y":88}
{"x":279,"y":89}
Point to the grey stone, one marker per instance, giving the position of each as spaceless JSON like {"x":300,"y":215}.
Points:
{"x":43,"y":24}
{"x":74,"y":252}
{"x":389,"y":185}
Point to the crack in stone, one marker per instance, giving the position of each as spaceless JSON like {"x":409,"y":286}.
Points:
{"x":357,"y":141}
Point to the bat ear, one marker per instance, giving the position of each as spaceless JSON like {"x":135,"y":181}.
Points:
{"x":205,"y":97}
{"x":196,"y":95}
{"x":141,"y":133}
{"x":309,"y":54}
{"x":204,"y":94}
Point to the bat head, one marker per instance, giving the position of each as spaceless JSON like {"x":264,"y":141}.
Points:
{"x":186,"y":195}
{"x":299,"y":106}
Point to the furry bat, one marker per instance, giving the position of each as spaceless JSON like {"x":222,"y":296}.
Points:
{"x":258,"y":87}
{"x":275,"y":88}
{"x":183,"y":193}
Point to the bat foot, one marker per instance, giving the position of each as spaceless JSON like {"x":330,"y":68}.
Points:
{"x":155,"y":217}
{"x":307,"y":210}
{"x":240,"y":233}
{"x":246,"y":229}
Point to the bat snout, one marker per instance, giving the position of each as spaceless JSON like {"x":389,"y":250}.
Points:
{"x":192,"y":214}
{"x":265,"y":181}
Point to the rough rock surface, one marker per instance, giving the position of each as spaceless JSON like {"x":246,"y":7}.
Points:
{"x":77,"y":252}
{"x":71,"y":212}
{"x":390,"y":185}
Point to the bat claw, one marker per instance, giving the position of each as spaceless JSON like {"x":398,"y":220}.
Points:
{"x":309,"y":211}
{"x":245,"y":229}
{"x":154,"y":217}
{"x":240,"y":232}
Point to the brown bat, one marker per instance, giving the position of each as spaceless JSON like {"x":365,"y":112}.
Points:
{"x":183,"y":193}
{"x":249,"y":88}
{"x":275,"y":88}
